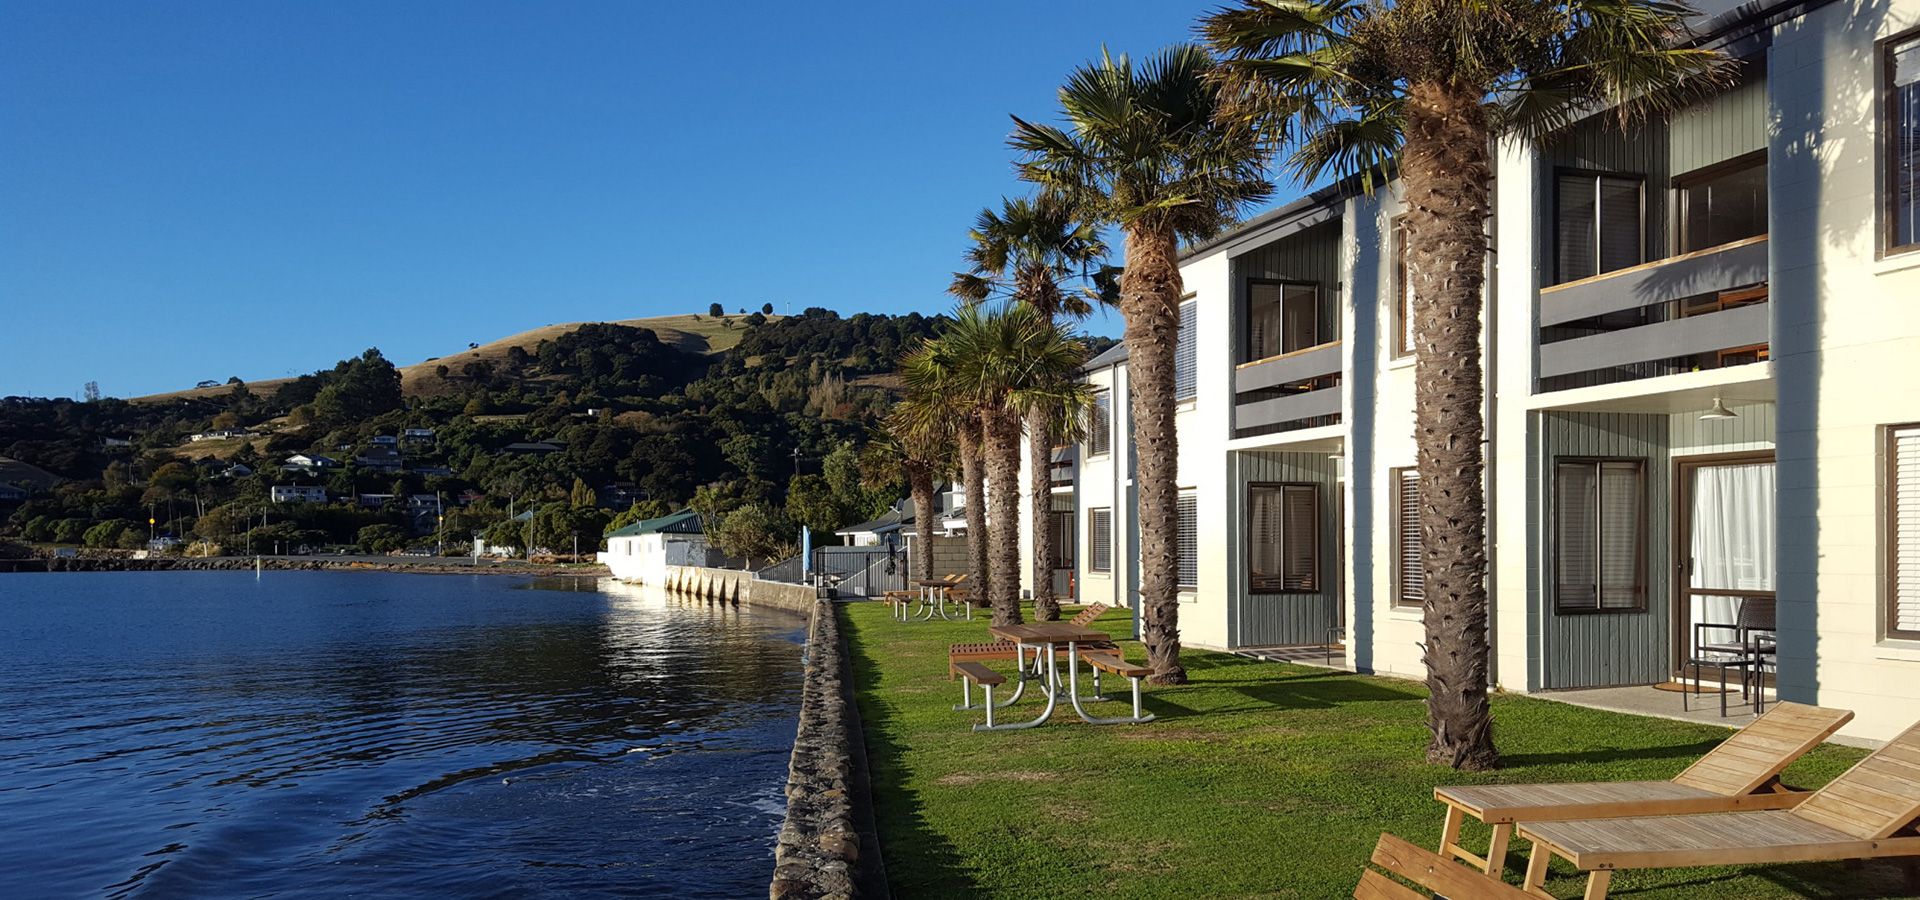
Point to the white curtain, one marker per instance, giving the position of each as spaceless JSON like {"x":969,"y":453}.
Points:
{"x":1733,"y":537}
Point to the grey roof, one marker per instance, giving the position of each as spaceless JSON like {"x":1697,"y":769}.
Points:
{"x":1114,"y":354}
{"x":889,"y":522}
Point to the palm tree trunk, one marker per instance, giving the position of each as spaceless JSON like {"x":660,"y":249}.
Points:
{"x":973,"y":480}
{"x":1446,"y":173}
{"x":920,"y":485}
{"x":1003,"y":513}
{"x":1150,"y":291}
{"x":1040,"y":511}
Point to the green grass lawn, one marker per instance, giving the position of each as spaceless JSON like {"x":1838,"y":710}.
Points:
{"x":1258,"y":779}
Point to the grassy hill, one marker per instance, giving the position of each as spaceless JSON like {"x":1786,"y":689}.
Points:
{"x":691,"y":333}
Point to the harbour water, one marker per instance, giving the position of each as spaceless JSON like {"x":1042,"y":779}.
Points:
{"x":214,"y":734}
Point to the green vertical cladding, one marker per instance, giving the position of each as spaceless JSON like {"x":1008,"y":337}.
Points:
{"x":1730,"y":125}
{"x":1612,"y":648}
{"x":1267,"y":620}
{"x":1312,"y":255}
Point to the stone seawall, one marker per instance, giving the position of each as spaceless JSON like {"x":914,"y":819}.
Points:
{"x":828,"y":845}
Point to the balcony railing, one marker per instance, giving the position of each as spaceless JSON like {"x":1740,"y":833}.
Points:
{"x":1290,"y":391}
{"x":1698,"y":310}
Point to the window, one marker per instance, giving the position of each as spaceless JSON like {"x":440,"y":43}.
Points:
{"x":1598,"y":224}
{"x":1903,"y":532}
{"x":1185,"y":374}
{"x":1409,"y":546}
{"x":1100,"y":425}
{"x":1283,"y":539}
{"x":1723,"y":203}
{"x":1187,"y":547}
{"x":1100,"y":539}
{"x":1402,"y":293}
{"x":1281,"y":318}
{"x":1903,"y":142}
{"x":1600,"y":535}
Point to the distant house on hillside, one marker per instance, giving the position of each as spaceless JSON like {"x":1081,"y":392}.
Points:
{"x":310,"y":462}
{"x":642,"y":551}
{"x":417,"y":435}
{"x":531,"y":447}
{"x":373,"y":501}
{"x":384,"y":440}
{"x":221,"y":434}
{"x":379,"y":459}
{"x":299,"y":493}
{"x":114,"y":443}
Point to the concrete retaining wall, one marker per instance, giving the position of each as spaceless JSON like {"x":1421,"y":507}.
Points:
{"x":828,"y":845}
{"x":736,"y":586}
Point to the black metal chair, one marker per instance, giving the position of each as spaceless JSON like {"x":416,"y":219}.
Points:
{"x":1750,"y":646}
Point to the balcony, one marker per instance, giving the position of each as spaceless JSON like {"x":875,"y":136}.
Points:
{"x":1288,"y":392}
{"x":1696,"y":311}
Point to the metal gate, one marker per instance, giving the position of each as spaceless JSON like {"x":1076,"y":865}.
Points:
{"x":861,"y":571}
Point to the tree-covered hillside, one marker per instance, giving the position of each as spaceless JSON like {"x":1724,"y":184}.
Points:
{"x":605,"y":421}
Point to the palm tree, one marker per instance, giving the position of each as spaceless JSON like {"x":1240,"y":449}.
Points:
{"x":1004,"y":360}
{"x":928,"y":371}
{"x":919,"y":435}
{"x":1145,"y":148}
{"x":1346,"y":86}
{"x":1040,"y":253}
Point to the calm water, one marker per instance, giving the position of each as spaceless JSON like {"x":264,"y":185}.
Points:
{"x":326,"y":734}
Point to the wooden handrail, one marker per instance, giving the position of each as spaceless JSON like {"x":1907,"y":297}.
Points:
{"x":1291,"y":353}
{"x":1655,"y":264}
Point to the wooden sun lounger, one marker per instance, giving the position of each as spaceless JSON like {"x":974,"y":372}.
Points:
{"x":1869,"y":811}
{"x":1434,"y":873}
{"x":1743,"y":773}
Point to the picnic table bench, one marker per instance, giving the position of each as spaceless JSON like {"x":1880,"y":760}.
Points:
{"x":1045,"y":640}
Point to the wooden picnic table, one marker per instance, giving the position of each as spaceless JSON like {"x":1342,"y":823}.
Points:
{"x":1042,"y":638}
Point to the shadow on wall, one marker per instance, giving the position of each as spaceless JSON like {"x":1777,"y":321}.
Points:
{"x":1804,"y":156}
{"x":1369,"y":246}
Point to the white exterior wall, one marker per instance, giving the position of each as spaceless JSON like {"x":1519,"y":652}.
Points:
{"x":1204,"y":423}
{"x":1846,"y":355}
{"x":1513,"y":472}
{"x":1381,"y":637}
{"x":1096,"y":483}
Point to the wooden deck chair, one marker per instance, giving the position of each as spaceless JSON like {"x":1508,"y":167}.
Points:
{"x":1435,"y":874}
{"x":1743,"y":773}
{"x":1869,"y":811}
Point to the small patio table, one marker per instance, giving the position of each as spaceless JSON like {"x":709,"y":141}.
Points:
{"x":1042,"y":638}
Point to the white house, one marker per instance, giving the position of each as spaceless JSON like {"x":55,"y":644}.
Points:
{"x":311,"y":462}
{"x":221,"y":434}
{"x":642,"y":551}
{"x":298,"y":493}
{"x":1700,"y":353}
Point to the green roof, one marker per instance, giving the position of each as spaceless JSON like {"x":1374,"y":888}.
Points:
{"x":685,"y":521}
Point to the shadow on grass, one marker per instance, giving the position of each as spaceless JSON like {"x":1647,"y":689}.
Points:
{"x":913,"y":849}
{"x":1320,"y":690}
{"x":1671,"y":751}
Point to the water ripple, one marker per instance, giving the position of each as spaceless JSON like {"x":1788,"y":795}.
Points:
{"x":207,"y":734}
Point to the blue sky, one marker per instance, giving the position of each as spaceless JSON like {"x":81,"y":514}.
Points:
{"x":198,"y":190}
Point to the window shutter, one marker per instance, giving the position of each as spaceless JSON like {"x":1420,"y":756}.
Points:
{"x":1620,"y":537}
{"x":1100,"y":539}
{"x":1265,"y":539}
{"x":1574,"y":227}
{"x":1411,"y":546}
{"x":1620,"y":234}
{"x":1100,"y":425}
{"x":1189,"y":541}
{"x":1302,"y":541}
{"x":1576,"y":518}
{"x":1185,"y":374}
{"x":1903,"y":515}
